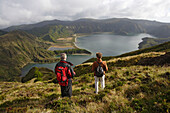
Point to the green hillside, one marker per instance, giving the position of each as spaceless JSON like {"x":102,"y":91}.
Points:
{"x":129,"y":88}
{"x":51,"y":33}
{"x":17,"y":49}
{"x":149,"y":42}
{"x":39,"y":74}
{"x":134,"y":83}
{"x":2,"y":32}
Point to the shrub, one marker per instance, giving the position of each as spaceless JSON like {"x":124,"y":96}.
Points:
{"x":100,"y":96}
{"x":137,"y":104}
{"x":76,"y":82}
{"x":127,"y":73}
{"x":166,"y":75}
{"x":120,"y":83}
{"x":112,"y":77}
{"x":86,"y":78}
{"x":83,"y":88}
{"x":112,"y":107}
{"x":61,"y":105}
{"x":109,"y":86}
{"x":137,"y":80}
{"x":76,"y":92}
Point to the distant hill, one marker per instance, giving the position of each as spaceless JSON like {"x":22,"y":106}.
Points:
{"x":2,"y":32}
{"x":51,"y":33}
{"x":162,"y":31}
{"x":122,"y":26}
{"x":18,"y":48}
{"x":31,"y":26}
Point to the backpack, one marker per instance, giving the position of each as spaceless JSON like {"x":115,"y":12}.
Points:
{"x":99,"y":70}
{"x":61,"y":73}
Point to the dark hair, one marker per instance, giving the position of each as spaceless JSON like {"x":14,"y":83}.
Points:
{"x":99,"y":55}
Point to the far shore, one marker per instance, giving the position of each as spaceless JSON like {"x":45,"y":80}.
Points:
{"x":80,"y":54}
{"x":73,"y":45}
{"x":56,"y":46}
{"x":74,"y":38}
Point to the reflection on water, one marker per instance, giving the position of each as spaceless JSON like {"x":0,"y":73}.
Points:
{"x":56,"y":48}
{"x":75,"y":59}
{"x":108,"y":44}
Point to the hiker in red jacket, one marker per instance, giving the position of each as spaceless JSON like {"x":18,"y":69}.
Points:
{"x":64,"y":74}
{"x":99,"y":68}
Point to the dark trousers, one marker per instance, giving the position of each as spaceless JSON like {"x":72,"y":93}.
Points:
{"x":66,"y":91}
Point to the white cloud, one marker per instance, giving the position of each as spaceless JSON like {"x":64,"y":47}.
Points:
{"x":14,"y":12}
{"x":3,"y":23}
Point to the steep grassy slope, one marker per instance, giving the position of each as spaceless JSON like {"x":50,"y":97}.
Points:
{"x":39,"y":74}
{"x":56,"y":35}
{"x":17,"y":49}
{"x":132,"y":85}
{"x":51,"y":33}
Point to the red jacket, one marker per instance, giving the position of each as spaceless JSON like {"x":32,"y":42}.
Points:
{"x":68,"y":71}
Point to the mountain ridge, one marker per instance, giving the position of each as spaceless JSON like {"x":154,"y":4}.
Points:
{"x":115,"y":25}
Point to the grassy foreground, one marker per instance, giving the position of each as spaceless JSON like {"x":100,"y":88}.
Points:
{"x":132,"y":85}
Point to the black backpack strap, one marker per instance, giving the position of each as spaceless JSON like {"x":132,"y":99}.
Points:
{"x":55,"y":68}
{"x":99,"y":62}
{"x":71,"y":71}
{"x":61,"y":73}
{"x":102,"y":67}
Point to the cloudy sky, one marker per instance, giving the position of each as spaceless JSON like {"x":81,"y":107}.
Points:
{"x":15,"y":12}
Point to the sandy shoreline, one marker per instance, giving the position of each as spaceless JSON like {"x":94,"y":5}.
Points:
{"x":56,"y":46}
{"x":74,"y":46}
{"x":75,"y":40}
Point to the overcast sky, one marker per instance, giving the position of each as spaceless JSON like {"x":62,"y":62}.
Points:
{"x":15,"y":12}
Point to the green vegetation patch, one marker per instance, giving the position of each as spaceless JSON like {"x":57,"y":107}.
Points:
{"x":40,"y":74}
{"x":149,"y":42}
{"x":18,"y":48}
{"x":72,"y":51}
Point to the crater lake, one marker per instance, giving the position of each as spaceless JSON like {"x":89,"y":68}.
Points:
{"x":106,"y":43}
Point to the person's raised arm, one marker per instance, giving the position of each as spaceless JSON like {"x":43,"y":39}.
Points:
{"x":105,"y":64}
{"x":106,"y":67}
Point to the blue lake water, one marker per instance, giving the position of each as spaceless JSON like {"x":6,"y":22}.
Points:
{"x":55,"y":48}
{"x":106,"y":43}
